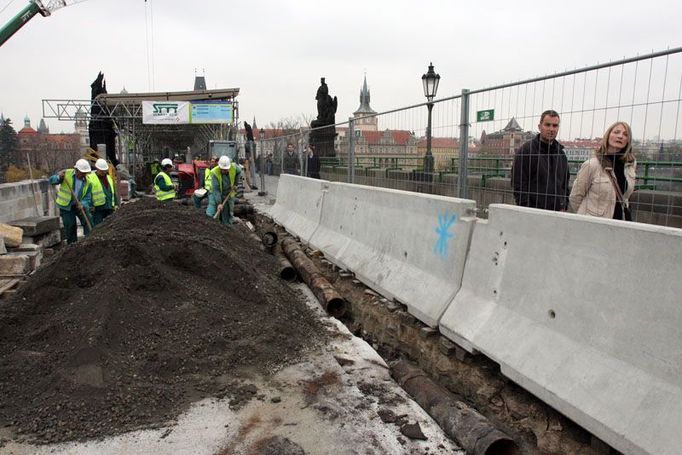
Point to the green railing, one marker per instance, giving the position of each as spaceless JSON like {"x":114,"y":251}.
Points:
{"x":490,"y":167}
{"x":494,"y":166}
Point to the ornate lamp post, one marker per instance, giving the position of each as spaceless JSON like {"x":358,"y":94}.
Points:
{"x":262,"y":164}
{"x":430,"y":81}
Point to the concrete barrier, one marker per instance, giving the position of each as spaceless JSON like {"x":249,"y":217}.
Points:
{"x":408,"y":246}
{"x":299,"y":204}
{"x":26,"y":199}
{"x":584,"y":313}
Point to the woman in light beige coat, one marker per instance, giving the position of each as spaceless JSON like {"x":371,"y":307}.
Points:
{"x":605,"y":182}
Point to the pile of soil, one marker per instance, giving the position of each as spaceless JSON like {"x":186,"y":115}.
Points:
{"x":159,"y":307}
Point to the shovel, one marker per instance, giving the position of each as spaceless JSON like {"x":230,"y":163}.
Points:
{"x":233,"y":190}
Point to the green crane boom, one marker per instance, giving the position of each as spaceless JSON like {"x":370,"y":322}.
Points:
{"x":34,"y":7}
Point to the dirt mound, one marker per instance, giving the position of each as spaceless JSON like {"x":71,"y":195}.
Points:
{"x":159,"y":307}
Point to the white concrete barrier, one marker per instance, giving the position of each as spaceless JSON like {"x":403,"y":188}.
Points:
{"x":408,"y":246}
{"x":299,"y":204}
{"x":584,"y":313}
{"x":27,"y":198}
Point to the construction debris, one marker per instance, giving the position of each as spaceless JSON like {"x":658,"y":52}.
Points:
{"x":123,"y":330}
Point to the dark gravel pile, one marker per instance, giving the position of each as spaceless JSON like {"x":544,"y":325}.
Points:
{"x":159,"y":307}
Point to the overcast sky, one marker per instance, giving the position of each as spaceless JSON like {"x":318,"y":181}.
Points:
{"x":276,"y":51}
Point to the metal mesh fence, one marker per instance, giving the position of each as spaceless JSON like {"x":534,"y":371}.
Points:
{"x":476,"y":136}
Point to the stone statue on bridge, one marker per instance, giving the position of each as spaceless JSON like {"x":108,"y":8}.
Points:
{"x":323,"y":131}
{"x":101,"y":126}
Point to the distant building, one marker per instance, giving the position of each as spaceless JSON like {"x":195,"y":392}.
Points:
{"x":199,"y":83}
{"x":379,"y":145}
{"x":365,"y":118}
{"x":506,"y":141}
{"x":42,"y":150}
{"x":81,"y":129}
{"x":580,"y":149}
{"x":443,"y":149}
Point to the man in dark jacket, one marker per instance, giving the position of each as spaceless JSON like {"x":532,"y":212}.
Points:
{"x":290,"y":164}
{"x":540,"y":170}
{"x":313,"y":163}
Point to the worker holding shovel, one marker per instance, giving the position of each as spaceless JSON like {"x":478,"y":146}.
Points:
{"x":224,"y":188}
{"x":74,"y":198}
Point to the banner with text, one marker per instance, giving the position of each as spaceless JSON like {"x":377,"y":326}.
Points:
{"x":211,"y":112}
{"x":165,"y":112}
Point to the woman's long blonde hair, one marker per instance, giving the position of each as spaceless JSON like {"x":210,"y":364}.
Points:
{"x":628,"y":154}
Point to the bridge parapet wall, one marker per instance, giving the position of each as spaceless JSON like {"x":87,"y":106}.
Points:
{"x":584,"y":313}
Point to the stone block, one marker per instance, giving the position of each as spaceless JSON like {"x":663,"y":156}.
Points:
{"x":47,"y":240}
{"x":3,"y":250}
{"x":12,"y":235}
{"x":26,"y":247}
{"x":11,"y":264}
{"x":34,"y":257}
{"x":37,"y":225}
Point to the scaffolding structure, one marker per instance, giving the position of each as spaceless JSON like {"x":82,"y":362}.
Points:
{"x":139,"y":143}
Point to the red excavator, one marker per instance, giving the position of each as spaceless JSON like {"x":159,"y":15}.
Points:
{"x":190,"y":176}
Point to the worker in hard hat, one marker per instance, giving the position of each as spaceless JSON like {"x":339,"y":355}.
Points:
{"x":163,"y":185}
{"x":199,"y":195}
{"x":74,"y":198}
{"x":224,"y":188}
{"x":154,"y":169}
{"x":103,"y":192}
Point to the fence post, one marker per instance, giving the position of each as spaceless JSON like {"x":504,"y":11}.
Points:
{"x":351,"y":150}
{"x":462,"y":175}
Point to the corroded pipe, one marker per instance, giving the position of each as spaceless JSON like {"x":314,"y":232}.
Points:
{"x":269,"y":239}
{"x":464,"y":424}
{"x":243,"y":209}
{"x":286,"y":270}
{"x":323,"y":290}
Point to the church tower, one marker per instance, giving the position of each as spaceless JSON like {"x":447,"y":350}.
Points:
{"x":368,"y":123}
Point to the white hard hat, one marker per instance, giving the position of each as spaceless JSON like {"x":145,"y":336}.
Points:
{"x":83,"y":166}
{"x":166,"y":162}
{"x":101,"y":164}
{"x":224,"y":162}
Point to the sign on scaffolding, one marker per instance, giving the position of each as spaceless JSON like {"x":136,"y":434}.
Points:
{"x":211,"y":112}
{"x":184,"y":112}
{"x":165,"y":112}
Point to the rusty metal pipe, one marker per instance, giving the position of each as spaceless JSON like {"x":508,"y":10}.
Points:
{"x":464,"y":424}
{"x":243,"y":209}
{"x":269,"y":239}
{"x":286,"y":270}
{"x":331,"y":300}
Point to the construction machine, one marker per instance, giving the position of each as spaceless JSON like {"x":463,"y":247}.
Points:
{"x":190,"y":176}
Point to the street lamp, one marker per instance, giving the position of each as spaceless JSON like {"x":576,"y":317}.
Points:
{"x":261,"y":164}
{"x":430,"y":81}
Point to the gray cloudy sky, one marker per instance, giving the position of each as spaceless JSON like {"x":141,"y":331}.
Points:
{"x":276,"y":51}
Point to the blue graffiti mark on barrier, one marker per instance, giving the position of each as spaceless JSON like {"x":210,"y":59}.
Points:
{"x":445,"y":222}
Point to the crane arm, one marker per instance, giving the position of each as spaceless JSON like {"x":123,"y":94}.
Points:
{"x":34,"y":7}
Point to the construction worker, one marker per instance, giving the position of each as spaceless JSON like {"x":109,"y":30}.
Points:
{"x":74,"y":198}
{"x":198,"y":196}
{"x":154,"y":168}
{"x":224,"y":188}
{"x":163,"y":185}
{"x":103,"y":192}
